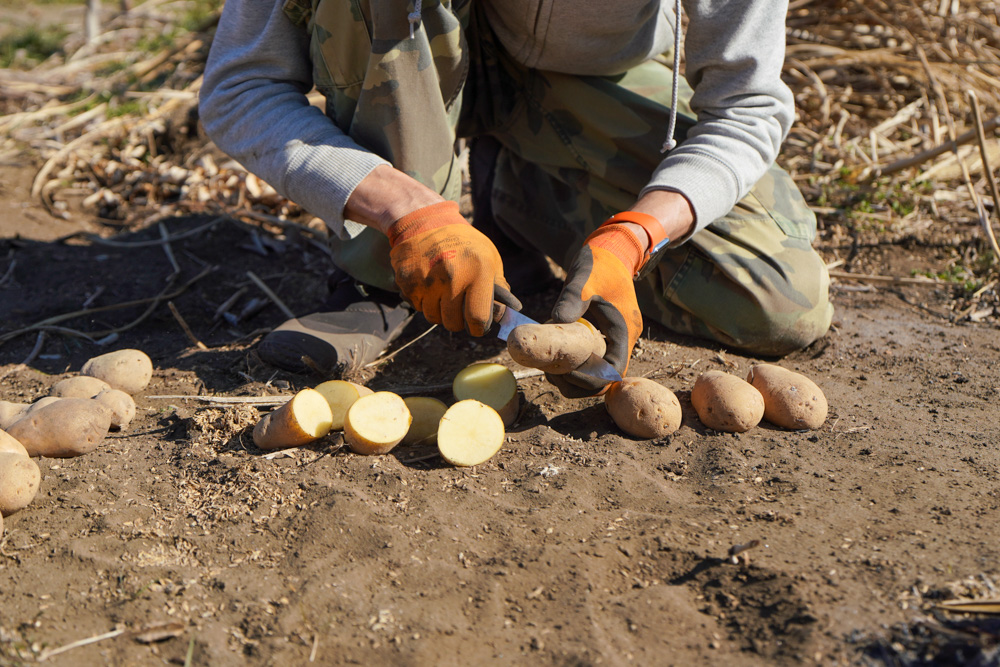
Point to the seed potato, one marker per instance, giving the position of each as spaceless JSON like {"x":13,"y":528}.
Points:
{"x":10,"y":413}
{"x":129,"y":370}
{"x":19,"y":480}
{"x":725,"y":402}
{"x":555,"y":348}
{"x":78,"y":386}
{"x":120,"y":405}
{"x":10,"y":445}
{"x":643,"y":408}
{"x":304,"y":418}
{"x":791,"y":400}
{"x":64,"y":429}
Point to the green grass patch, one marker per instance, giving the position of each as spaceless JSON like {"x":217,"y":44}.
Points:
{"x":30,"y":46}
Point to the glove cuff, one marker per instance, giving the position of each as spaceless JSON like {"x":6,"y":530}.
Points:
{"x":424,"y":219}
{"x":620,"y":242}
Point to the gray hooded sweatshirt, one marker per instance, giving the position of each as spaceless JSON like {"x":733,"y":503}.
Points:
{"x":254,"y":106}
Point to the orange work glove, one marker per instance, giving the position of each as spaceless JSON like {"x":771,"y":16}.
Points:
{"x":447,"y":269}
{"x":599,"y":286}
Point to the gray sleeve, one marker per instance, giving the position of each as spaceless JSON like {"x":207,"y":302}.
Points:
{"x":253,"y":106}
{"x":734,"y":51}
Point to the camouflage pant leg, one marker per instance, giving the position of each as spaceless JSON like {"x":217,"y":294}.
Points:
{"x":395,"y":96}
{"x":579,"y":149}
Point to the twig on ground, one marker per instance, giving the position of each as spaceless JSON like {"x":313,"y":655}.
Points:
{"x":987,"y":171}
{"x":165,"y":241}
{"x":81,"y":642}
{"x":271,"y":295}
{"x":36,"y":350}
{"x":930,"y":154}
{"x":227,"y":400}
{"x":382,"y":360}
{"x":923,"y":282}
{"x":184,"y":325}
{"x":47,"y":324}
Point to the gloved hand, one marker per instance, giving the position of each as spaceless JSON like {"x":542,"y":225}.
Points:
{"x":447,"y":269}
{"x":599,"y":287}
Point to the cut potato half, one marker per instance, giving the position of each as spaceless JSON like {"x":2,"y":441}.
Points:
{"x":492,"y":384}
{"x":426,"y":413}
{"x":341,"y":394}
{"x":470,"y":433}
{"x":303,"y":419}
{"x":376,"y":423}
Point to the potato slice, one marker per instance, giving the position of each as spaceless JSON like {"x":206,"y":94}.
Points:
{"x":791,"y":400}
{"x":19,"y":479}
{"x":341,"y":394}
{"x":376,"y":423}
{"x":727,"y":403}
{"x":304,"y":418}
{"x":78,"y":386}
{"x":128,"y":370}
{"x":470,"y":433}
{"x":426,"y":413}
{"x":643,"y":408}
{"x":11,"y":445}
{"x":66,"y":428}
{"x":492,"y":384}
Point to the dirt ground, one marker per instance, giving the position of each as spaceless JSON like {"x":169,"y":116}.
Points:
{"x":574,"y":545}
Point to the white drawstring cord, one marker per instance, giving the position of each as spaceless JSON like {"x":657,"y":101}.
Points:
{"x":414,"y":16}
{"x":671,"y":143}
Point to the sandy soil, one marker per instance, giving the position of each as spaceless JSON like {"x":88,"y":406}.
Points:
{"x":574,"y":545}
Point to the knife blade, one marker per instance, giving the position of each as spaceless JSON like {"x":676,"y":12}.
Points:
{"x":595,"y":366}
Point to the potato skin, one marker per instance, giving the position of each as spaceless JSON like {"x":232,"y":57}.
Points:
{"x":67,"y":428}
{"x":727,"y":403}
{"x":553,"y":348}
{"x":78,"y":386}
{"x":10,"y":445}
{"x":119,"y":404}
{"x":19,"y":480}
{"x":129,"y":370}
{"x":643,"y":408}
{"x":10,"y":413}
{"x":791,"y":400}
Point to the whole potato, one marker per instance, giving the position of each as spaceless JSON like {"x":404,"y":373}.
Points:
{"x":10,"y":445}
{"x":643,"y":408}
{"x":78,"y":386}
{"x":119,"y":404}
{"x":40,"y":403}
{"x":555,"y":348}
{"x":19,"y":480}
{"x":128,"y":370}
{"x":11,"y":412}
{"x":725,"y":402}
{"x":791,"y":400}
{"x":69,"y":427}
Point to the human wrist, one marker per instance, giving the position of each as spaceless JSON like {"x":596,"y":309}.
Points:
{"x":621,"y":241}
{"x":385,"y":196}
{"x":672,"y":209}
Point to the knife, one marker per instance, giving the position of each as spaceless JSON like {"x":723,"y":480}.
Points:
{"x":595,"y":367}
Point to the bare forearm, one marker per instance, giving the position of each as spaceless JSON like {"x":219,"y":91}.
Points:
{"x":670,"y":208}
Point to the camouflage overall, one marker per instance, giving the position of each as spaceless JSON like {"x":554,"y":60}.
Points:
{"x":574,"y":150}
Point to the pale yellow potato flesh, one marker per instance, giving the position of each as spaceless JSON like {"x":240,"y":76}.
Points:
{"x":470,"y":433}
{"x":426,"y":412}
{"x":11,"y":445}
{"x":492,"y":384}
{"x":376,"y":423}
{"x":341,"y":394}
{"x":304,"y":418}
{"x":129,"y":370}
{"x":78,"y":386}
{"x":19,"y":480}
